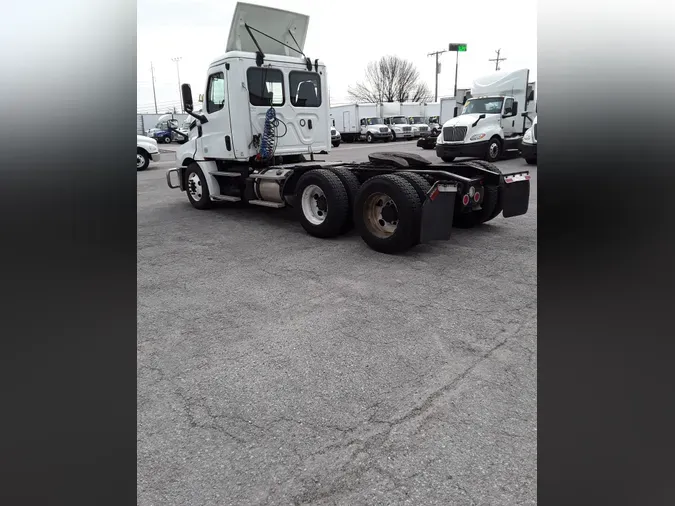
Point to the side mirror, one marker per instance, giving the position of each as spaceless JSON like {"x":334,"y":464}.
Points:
{"x":186,"y":91}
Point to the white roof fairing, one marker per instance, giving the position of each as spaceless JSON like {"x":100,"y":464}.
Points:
{"x":276,"y":23}
{"x":501,"y":83}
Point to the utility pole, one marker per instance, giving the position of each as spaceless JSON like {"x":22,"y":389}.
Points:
{"x":438,"y":71}
{"x":180,"y":95}
{"x":152,"y":72}
{"x":498,"y":59}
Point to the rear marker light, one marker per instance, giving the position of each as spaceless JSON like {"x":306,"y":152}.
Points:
{"x":465,"y":200}
{"x":434,"y":194}
{"x":476,"y":197}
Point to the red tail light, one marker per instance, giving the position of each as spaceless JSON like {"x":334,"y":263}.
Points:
{"x":476,"y":197}
{"x":466,"y":200}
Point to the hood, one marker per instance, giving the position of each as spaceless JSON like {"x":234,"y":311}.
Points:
{"x":143,"y":138}
{"x":469,"y":119}
{"x":276,"y":23}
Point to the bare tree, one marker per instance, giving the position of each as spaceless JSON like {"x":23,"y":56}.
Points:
{"x":391,"y":79}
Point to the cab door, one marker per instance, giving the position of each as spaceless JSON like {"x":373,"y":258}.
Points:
{"x":309,"y":108}
{"x":216,"y":137}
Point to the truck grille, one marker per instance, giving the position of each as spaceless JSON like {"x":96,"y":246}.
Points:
{"x":424,"y":129}
{"x":384,"y":130}
{"x":407,"y":129}
{"x":535,"y":132}
{"x":454,"y":134}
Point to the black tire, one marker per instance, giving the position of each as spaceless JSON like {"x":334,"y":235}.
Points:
{"x":531,"y":161}
{"x":352,"y":185}
{"x":408,"y":218}
{"x":448,"y":158}
{"x":420,"y":184}
{"x":494,"y":150}
{"x":146,"y":160}
{"x":196,"y":188}
{"x":167,"y":140}
{"x":422,"y":187}
{"x":336,"y":144}
{"x":336,"y":203}
{"x":369,"y":138}
{"x":498,"y":205}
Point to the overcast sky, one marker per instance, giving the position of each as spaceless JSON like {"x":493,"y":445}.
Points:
{"x":345,"y":35}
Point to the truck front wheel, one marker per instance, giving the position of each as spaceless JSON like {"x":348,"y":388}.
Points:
{"x":324,"y":203}
{"x":494,"y":150}
{"x":196,"y":188}
{"x":369,"y":137}
{"x":387,"y":214}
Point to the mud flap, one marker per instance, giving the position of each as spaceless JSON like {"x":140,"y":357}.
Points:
{"x":437,"y":213}
{"x":515,"y":194}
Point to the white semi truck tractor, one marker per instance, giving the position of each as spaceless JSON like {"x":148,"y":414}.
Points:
{"x":265,"y":117}
{"x":493,"y":120}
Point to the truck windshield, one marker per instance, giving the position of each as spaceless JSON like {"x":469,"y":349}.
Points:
{"x":483,"y":105}
{"x":416,"y":120}
{"x":399,"y":120}
{"x":374,"y":121}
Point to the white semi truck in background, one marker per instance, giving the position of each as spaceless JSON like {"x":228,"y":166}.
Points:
{"x":414,"y":112}
{"x":266,"y":111}
{"x":362,"y":122}
{"x":493,"y":120}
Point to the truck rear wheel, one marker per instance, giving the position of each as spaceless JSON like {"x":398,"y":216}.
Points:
{"x":387,"y":214}
{"x":196,"y":188}
{"x":422,"y":187}
{"x":324,"y":203}
{"x":352,"y":185}
{"x":448,"y":158}
{"x":498,"y":205}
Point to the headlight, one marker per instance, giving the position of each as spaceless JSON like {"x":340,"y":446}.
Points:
{"x":528,"y":136}
{"x":476,"y":137}
{"x":397,"y":129}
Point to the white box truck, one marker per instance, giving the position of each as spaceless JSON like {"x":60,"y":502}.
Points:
{"x":266,"y":108}
{"x":414,"y":112}
{"x":396,"y":121}
{"x":492,"y":121}
{"x":362,"y":122}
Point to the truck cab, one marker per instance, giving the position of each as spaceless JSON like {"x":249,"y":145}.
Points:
{"x":374,"y":129}
{"x":263,"y":98}
{"x":434,"y":123}
{"x":399,"y":127}
{"x":492,"y":121}
{"x":419,"y":125}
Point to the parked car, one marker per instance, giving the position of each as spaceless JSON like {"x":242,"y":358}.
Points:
{"x":146,"y":150}
{"x":335,"y":137}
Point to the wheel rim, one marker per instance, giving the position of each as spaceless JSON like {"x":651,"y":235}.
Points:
{"x":380,"y":215}
{"x":314,"y":206}
{"x":194,"y":186}
{"x":494,"y":150}
{"x":369,"y":138}
{"x":167,"y":140}
{"x":140,"y":161}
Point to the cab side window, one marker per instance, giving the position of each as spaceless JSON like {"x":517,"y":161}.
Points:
{"x":305,"y":88}
{"x":215,"y":93}
{"x":265,"y":86}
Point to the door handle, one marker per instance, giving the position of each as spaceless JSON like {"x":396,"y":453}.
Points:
{"x":309,"y":124}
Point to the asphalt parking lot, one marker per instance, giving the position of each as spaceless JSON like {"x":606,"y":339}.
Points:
{"x":278,"y":368}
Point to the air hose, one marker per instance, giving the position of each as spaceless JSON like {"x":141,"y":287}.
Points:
{"x":268,"y":141}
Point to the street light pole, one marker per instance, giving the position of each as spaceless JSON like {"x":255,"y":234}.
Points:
{"x":457,"y":48}
{"x":180,"y":96}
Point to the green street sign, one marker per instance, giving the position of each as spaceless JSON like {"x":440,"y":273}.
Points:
{"x":457,"y":47}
